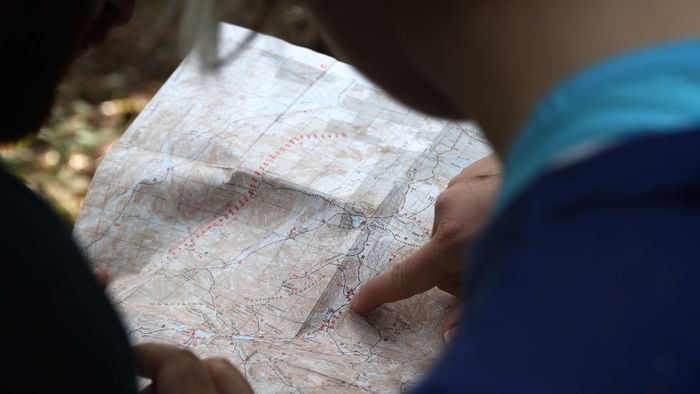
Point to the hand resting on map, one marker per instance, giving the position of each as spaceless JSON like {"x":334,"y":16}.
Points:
{"x":460,"y":212}
{"x":173,"y":370}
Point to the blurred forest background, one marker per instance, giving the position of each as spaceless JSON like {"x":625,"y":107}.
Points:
{"x":108,"y":87}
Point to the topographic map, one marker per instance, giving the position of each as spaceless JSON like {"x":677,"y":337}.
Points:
{"x":242,"y":210}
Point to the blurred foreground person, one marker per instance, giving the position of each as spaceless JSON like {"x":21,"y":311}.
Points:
{"x":584,"y":279}
{"x":61,"y":334}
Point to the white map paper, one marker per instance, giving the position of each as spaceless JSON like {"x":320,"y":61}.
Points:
{"x":241,"y":211}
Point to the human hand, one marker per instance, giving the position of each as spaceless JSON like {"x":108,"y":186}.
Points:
{"x":178,"y":371}
{"x":460,"y":211}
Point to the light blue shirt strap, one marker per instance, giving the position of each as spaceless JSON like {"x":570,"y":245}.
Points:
{"x":652,"y":90}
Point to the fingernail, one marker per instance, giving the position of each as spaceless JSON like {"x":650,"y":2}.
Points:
{"x":448,"y":336}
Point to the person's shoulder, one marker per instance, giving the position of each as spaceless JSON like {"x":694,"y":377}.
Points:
{"x":19,"y":200}
{"x":55,"y":310}
{"x":645,"y":188}
{"x":35,"y":242}
{"x":595,"y":258}
{"x":29,"y":224}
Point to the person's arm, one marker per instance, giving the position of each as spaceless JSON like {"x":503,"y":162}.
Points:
{"x":460,"y":212}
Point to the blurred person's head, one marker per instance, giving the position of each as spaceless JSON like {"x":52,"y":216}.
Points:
{"x":39,"y":40}
{"x":478,"y":59}
{"x":487,"y":60}
{"x":483,"y":60}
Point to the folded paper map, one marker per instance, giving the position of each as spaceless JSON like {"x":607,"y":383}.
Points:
{"x":243,"y":209}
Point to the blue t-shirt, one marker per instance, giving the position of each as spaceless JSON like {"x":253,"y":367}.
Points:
{"x":585,"y":279}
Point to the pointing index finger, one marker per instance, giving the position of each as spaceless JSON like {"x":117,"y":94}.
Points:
{"x":419,"y":272}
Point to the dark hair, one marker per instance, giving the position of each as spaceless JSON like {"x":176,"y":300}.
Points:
{"x":39,"y":39}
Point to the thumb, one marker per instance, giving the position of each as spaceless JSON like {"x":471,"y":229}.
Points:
{"x":419,"y":272}
{"x":226,"y":377}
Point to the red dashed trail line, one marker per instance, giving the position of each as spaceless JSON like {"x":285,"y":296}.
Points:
{"x":418,"y":221}
{"x":232,"y":209}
